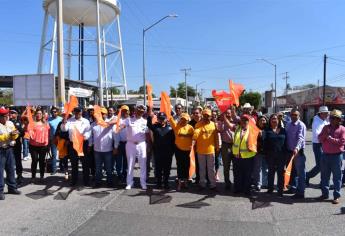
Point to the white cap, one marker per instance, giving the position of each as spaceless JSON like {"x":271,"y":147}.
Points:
{"x":90,"y":107}
{"x":323,"y":109}
{"x":247,"y":105}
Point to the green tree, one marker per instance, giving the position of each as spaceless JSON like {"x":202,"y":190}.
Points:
{"x":181,"y":91}
{"x":115,"y":90}
{"x":6,"y":97}
{"x":254,"y":98}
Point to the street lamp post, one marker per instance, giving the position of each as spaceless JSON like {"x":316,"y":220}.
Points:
{"x":275,"y":81}
{"x":196,"y":89}
{"x":144,"y":68}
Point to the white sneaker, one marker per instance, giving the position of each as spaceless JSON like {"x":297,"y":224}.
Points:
{"x":26,"y":158}
{"x":128,"y":187}
{"x":144,"y":187}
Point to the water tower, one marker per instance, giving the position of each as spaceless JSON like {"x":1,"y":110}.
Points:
{"x":89,"y":47}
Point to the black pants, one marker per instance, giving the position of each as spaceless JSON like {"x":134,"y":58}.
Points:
{"x":243,"y":168}
{"x":17,"y":151}
{"x":276,"y":163}
{"x":182,"y":162}
{"x":38,"y":154}
{"x":91,"y":158}
{"x":163,"y":160}
{"x":75,"y":164}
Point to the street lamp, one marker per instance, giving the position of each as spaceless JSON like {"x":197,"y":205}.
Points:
{"x":144,"y":31}
{"x":275,"y":81}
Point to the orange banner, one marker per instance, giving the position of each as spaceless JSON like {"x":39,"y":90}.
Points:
{"x":98,"y":116}
{"x":191,"y":163}
{"x":165,"y":104}
{"x":78,"y":140}
{"x":149,"y":94}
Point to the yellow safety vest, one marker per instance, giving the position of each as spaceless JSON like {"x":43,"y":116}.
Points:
{"x":240,"y":146}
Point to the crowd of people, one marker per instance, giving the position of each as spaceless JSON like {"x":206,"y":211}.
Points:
{"x":142,"y":136}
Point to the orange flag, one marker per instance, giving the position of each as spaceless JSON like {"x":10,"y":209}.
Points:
{"x":78,"y":140}
{"x":222,"y":99}
{"x":235,"y":92}
{"x":191,"y":162}
{"x":30,"y":118}
{"x":98,"y":116}
{"x":118,"y":120}
{"x":149,"y":94}
{"x":69,"y":107}
{"x":287,"y":174}
{"x":61,"y":147}
{"x":165,"y":104}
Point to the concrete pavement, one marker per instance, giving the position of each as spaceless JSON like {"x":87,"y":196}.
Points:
{"x":53,"y":208}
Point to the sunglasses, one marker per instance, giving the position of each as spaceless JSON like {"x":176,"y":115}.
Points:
{"x":294,"y":114}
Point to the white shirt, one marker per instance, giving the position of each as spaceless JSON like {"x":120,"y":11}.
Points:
{"x":317,"y":127}
{"x":101,"y":138}
{"x":121,"y":136}
{"x":136,"y":129}
{"x":82,"y":125}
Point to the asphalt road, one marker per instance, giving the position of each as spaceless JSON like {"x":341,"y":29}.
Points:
{"x":53,"y":208}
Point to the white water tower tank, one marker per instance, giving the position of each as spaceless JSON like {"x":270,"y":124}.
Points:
{"x":99,"y":50}
{"x":76,"y":11}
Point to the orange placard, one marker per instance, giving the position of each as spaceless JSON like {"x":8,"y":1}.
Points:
{"x":191,"y":162}
{"x":149,"y":94}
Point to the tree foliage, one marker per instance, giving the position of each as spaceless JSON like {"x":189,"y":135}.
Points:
{"x":254,"y":98}
{"x":181,"y":91}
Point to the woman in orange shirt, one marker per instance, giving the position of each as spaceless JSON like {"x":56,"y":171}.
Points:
{"x":39,"y":140}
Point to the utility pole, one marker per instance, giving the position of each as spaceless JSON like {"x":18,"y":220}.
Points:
{"x":186,"y":72}
{"x":324,"y":79}
{"x":286,"y":77}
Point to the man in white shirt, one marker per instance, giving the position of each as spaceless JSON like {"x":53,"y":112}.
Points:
{"x":102,"y":139}
{"x":82,"y":125}
{"x":120,"y":146}
{"x":137,"y":132}
{"x":319,"y":121}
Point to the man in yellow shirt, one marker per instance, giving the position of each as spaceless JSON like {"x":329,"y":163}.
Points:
{"x":8,"y":135}
{"x":207,"y":143}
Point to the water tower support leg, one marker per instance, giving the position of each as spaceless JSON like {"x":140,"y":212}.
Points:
{"x":52,"y":51}
{"x":43,"y":39}
{"x":122,"y":60}
{"x":99,"y":59}
{"x":105,"y":68}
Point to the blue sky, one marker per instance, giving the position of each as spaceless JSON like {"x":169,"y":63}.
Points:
{"x":218,"y":39}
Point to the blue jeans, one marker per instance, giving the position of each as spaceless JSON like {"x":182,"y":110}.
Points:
{"x":121,"y":161}
{"x":7,"y":163}
{"x":317,"y":149}
{"x":331,"y":163}
{"x":105,"y":158}
{"x":25,"y":147}
{"x":53,"y":150}
{"x":299,"y":181}
{"x":260,"y":171}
